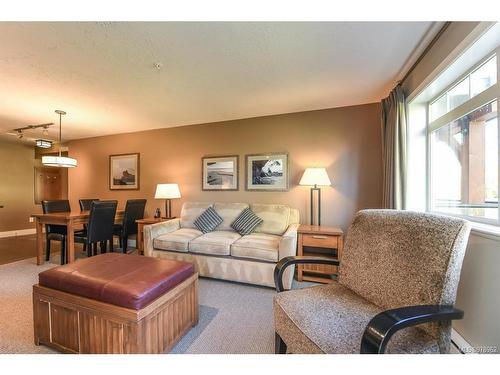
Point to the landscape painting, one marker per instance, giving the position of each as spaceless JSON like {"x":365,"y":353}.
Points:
{"x":220,"y":173}
{"x":267,"y":172}
{"x":124,"y":172}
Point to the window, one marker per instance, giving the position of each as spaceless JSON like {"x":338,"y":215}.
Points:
{"x":463,"y":149}
{"x":473,"y":84}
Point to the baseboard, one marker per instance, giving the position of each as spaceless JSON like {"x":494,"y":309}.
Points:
{"x":19,"y":232}
{"x":462,"y":344}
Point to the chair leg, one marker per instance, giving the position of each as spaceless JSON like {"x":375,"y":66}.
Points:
{"x":111,"y":245}
{"x":121,"y":242}
{"x":84,"y":247}
{"x":125,"y":244}
{"x":279,"y":344}
{"x":47,"y":249}
{"x":103,"y":245}
{"x":94,"y":248}
{"x":63,"y":250}
{"x":89,"y":250}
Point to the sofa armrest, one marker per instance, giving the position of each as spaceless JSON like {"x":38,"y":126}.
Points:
{"x":288,"y":242}
{"x":154,"y":230}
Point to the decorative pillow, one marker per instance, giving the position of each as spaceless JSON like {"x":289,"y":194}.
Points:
{"x":208,"y":220}
{"x":246,"y":222}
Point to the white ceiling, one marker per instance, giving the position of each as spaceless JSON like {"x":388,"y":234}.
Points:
{"x":103,"y":73}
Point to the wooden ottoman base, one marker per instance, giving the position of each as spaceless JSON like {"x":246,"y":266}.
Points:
{"x":74,"y":324}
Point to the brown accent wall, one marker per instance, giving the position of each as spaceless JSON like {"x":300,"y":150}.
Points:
{"x":16,"y":186}
{"x":345,"y":140}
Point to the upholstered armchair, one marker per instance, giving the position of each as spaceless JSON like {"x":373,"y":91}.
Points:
{"x":395,"y":292}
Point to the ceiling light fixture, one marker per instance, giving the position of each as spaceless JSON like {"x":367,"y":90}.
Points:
{"x":42,"y":143}
{"x":59,"y":161}
{"x":19,"y":134}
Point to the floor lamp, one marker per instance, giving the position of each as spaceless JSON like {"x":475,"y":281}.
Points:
{"x":315,"y":177}
{"x":167,"y":192}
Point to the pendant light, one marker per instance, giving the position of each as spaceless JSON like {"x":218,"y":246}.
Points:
{"x":59,"y":161}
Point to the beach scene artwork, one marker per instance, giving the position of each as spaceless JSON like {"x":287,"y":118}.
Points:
{"x":220,"y":173}
{"x":267,"y":172}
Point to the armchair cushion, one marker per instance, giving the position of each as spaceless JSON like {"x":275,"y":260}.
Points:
{"x":176,"y":241}
{"x":332,"y":318}
{"x":257,"y":246}
{"x":214,"y":243}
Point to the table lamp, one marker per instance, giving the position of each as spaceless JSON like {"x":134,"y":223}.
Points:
{"x":315,"y":177}
{"x":167,"y":192}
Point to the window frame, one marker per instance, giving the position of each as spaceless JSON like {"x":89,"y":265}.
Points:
{"x":485,"y":97}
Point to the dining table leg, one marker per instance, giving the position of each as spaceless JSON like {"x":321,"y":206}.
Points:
{"x":70,"y":245}
{"x":39,"y":242}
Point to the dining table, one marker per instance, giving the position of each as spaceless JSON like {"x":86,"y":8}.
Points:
{"x":72,"y":220}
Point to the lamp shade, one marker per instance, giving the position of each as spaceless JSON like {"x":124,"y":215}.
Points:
{"x":167,"y":191}
{"x":59,"y":161}
{"x":315,"y":176}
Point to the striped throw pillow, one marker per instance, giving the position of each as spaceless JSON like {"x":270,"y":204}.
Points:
{"x":208,"y":220}
{"x":246,"y":222}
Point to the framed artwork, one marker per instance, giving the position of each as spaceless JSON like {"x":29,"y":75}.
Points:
{"x":220,"y":172}
{"x":267,"y":172}
{"x":124,"y":172}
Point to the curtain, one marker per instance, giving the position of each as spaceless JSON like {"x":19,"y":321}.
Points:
{"x":394,"y":149}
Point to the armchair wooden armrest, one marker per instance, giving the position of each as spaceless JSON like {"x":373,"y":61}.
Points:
{"x":288,"y":261}
{"x":381,"y":328}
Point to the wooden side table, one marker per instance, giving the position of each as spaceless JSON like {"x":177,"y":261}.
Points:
{"x":319,"y":240}
{"x":140,"y":230}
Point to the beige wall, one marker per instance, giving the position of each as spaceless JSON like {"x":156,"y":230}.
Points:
{"x":16,"y":186}
{"x":345,"y":140}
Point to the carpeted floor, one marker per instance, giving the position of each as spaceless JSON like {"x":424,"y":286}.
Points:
{"x":234,"y":318}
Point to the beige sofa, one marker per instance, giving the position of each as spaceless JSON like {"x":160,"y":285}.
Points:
{"x":224,"y":254}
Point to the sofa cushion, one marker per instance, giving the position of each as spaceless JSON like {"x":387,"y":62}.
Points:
{"x":276,"y":218}
{"x":332,"y":318}
{"x":190,"y":212}
{"x":214,"y":243}
{"x":259,"y":246}
{"x":246,"y":222}
{"x":208,"y":220}
{"x":229,"y":212}
{"x":176,"y":241}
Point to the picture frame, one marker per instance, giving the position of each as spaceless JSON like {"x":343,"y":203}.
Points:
{"x":267,"y":172}
{"x":124,"y":171}
{"x":220,"y":173}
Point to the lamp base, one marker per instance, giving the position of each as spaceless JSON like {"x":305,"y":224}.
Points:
{"x":313,"y":189}
{"x":168,"y":207}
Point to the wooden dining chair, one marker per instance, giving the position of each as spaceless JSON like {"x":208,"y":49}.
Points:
{"x":99,"y":228}
{"x":134,"y":210}
{"x":55,"y":232}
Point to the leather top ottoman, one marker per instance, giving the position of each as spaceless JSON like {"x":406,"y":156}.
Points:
{"x":130,"y":281}
{"x":115,"y":303}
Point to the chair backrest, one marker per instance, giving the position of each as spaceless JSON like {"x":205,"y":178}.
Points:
{"x":61,"y":205}
{"x":86,"y":203}
{"x":101,"y":221}
{"x":134,"y":210}
{"x":399,"y":258}
{"x":53,"y":206}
